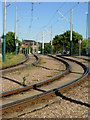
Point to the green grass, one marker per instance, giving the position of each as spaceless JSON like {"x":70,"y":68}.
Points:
{"x":11,"y":59}
{"x":56,"y":72}
{"x":19,"y":72}
{"x":44,"y":62}
{"x":27,"y":74}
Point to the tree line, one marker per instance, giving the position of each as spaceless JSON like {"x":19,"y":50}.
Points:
{"x":64,"y":38}
{"x":57,"y":41}
{"x":10,"y":42}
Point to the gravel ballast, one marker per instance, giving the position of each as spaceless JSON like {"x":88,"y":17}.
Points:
{"x":48,"y":67}
{"x":72,"y":104}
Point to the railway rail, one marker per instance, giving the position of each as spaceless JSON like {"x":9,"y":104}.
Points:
{"x":15,"y":91}
{"x":20,"y":104}
{"x":19,"y":63}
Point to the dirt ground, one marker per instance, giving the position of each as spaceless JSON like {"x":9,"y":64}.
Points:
{"x":47,"y":68}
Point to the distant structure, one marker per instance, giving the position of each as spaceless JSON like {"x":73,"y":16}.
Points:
{"x":27,"y":43}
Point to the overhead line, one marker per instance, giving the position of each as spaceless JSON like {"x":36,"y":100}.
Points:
{"x":31,"y":16}
{"x":54,"y":15}
{"x":25,"y":15}
{"x":72,"y":8}
{"x":10,"y":4}
{"x":69,"y":10}
{"x":63,"y":16}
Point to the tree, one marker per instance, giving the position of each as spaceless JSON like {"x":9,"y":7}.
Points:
{"x":47,"y":48}
{"x":65,"y":37}
{"x":10,"y":42}
{"x":83,"y":44}
{"x":83,"y":47}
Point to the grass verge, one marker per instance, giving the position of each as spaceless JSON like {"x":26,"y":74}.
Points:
{"x":12,"y":59}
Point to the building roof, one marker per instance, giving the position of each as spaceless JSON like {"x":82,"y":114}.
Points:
{"x":28,"y":40}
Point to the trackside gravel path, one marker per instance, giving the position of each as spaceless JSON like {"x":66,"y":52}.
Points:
{"x":47,"y":68}
{"x":76,"y":71}
{"x":69,"y":105}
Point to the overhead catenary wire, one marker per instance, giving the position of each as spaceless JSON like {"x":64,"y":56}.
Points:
{"x":11,"y":3}
{"x":63,"y":16}
{"x":45,"y":26}
{"x":24,"y":15}
{"x":54,"y":15}
{"x":72,"y":8}
{"x":31,"y":17}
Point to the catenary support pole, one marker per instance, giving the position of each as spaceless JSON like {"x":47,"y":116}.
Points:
{"x":15,"y":29}
{"x":33,"y":47}
{"x":71,"y":34}
{"x":79,"y":47}
{"x":51,"y":38}
{"x":86,"y":33}
{"x":4,"y":39}
{"x":37,"y":48}
{"x":63,"y":44}
{"x":43,"y":44}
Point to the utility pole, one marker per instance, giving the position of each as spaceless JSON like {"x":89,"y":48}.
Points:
{"x":43,"y":44}
{"x":63,"y":44}
{"x":33,"y":47}
{"x":37,"y":48}
{"x":15,"y":30}
{"x":25,"y":51}
{"x":71,"y":35}
{"x":18,"y":31}
{"x":4,"y":39}
{"x":51,"y":38}
{"x":86,"y":33}
{"x":80,"y":47}
{"x":29,"y":50}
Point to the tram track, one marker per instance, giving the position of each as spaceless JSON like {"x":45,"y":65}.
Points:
{"x":30,"y":87}
{"x":19,"y":63}
{"x":20,"y":104}
{"x":27,"y":62}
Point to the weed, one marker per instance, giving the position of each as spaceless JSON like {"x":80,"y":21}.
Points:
{"x":23,"y":83}
{"x":44,"y":62}
{"x":57,"y":64}
{"x":19,"y":72}
{"x":28,"y":75}
{"x":55,"y":72}
{"x":35,"y":80}
{"x":49,"y":76}
{"x":28,"y":83}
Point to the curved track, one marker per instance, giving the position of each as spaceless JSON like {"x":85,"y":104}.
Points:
{"x":29,"y":60}
{"x":19,"y":63}
{"x":40,"y":83}
{"x":47,"y":93}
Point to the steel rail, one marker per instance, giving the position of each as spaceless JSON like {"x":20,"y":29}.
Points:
{"x":15,"y":91}
{"x":20,"y":67}
{"x":10,"y":107}
{"x":21,"y":62}
{"x":83,"y":65}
